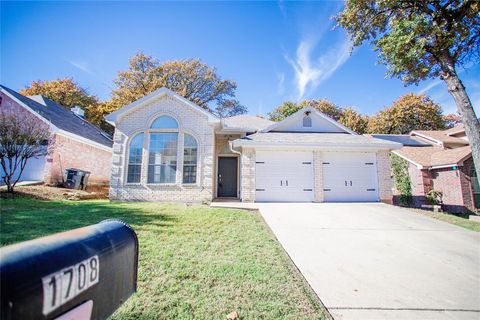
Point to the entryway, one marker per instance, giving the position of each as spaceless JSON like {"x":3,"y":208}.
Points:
{"x":227,"y":177}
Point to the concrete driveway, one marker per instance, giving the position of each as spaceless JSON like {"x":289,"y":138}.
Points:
{"x":375,"y":261}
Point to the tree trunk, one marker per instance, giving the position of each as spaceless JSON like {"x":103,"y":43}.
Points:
{"x":466,"y":111}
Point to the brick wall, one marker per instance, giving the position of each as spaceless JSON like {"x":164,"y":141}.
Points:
{"x":384,"y":177}
{"x":68,"y":152}
{"x":247,"y":180}
{"x":466,"y":183}
{"x":448,"y":181}
{"x":191,"y":122}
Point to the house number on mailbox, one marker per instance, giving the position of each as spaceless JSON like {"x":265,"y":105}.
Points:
{"x":62,"y":286}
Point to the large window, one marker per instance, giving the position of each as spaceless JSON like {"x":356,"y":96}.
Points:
{"x":135,"y":159}
{"x":162,"y":160}
{"x":190,"y":159}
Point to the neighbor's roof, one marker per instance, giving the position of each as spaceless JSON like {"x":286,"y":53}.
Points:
{"x":457,"y":129}
{"x":63,"y":119}
{"x":404,"y":139}
{"x":245,"y":122}
{"x":314,"y":139}
{"x":439,"y":136}
{"x":433,"y":156}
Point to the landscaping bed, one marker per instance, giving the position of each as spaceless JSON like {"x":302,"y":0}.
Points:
{"x":195,"y":262}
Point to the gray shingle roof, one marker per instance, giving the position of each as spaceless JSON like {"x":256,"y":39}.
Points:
{"x":246,"y":122}
{"x":311,"y":138}
{"x":64,"y":119}
{"x":404,"y":139}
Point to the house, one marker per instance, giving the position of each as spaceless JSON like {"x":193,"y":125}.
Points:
{"x":76,"y":142}
{"x":441,"y":161}
{"x":168,"y":149}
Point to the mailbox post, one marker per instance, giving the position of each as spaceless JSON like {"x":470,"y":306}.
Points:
{"x":86,"y":273}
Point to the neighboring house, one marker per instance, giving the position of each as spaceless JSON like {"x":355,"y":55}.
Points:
{"x":168,"y":149}
{"x":77,"y":143}
{"x":441,"y":161}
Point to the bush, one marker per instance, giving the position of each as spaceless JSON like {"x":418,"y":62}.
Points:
{"x":401,"y":179}
{"x":434,"y":197}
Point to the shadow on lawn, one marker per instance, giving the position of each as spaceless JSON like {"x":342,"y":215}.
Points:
{"x":25,"y":219}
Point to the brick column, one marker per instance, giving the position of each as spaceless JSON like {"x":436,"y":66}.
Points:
{"x":247,"y":179}
{"x":318,"y":176}
{"x":384,"y":176}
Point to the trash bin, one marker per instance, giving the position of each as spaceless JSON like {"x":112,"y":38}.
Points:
{"x":76,"y":178}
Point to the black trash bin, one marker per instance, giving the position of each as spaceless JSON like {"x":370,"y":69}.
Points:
{"x":76,"y":178}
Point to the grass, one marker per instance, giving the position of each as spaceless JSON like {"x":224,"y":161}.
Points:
{"x":461,"y":221}
{"x":195,"y":262}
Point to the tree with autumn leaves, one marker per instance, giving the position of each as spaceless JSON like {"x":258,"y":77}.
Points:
{"x":191,"y":79}
{"x":409,"y":112}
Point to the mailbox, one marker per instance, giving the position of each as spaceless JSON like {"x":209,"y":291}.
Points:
{"x":86,"y":273}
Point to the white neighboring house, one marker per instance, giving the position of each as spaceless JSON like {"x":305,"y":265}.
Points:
{"x":168,"y":149}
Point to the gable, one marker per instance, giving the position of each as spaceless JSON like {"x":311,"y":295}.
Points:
{"x":117,"y":115}
{"x":308,"y":119}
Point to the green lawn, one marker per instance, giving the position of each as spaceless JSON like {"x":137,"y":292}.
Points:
{"x":461,"y":221}
{"x":195,"y":262}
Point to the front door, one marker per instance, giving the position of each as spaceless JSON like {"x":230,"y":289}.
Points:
{"x":227,"y":177}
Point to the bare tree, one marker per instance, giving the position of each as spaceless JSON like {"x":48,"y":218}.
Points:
{"x":22,"y":137}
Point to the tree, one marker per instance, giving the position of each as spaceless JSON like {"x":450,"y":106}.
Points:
{"x":284,"y":110}
{"x":21,"y":137}
{"x":407,"y":113}
{"x":324,"y":106}
{"x":288,"y":108}
{"x":354,"y":120}
{"x":65,"y":92}
{"x":421,"y":39}
{"x":452,"y":120}
{"x":192,"y":79}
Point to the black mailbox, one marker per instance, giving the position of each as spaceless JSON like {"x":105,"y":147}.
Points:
{"x":86,"y":273}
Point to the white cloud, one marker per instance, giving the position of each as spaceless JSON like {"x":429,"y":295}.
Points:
{"x":310,"y":71}
{"x":430,"y":86}
{"x":81,"y":65}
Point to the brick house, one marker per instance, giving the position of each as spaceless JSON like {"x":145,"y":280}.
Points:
{"x":166,"y":148}
{"x":77,"y":143}
{"x":441,"y":161}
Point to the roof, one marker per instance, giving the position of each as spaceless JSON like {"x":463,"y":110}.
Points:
{"x":457,"y":129}
{"x":63,"y":119}
{"x":440,"y":136}
{"x":113,"y":117}
{"x":313,"y":139}
{"x":433,"y":156}
{"x":245,"y":122}
{"x":404,"y":139}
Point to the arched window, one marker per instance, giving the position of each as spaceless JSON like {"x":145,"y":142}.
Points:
{"x":164,"y":122}
{"x":162,"y":159}
{"x":190,"y":150}
{"x":307,"y":122}
{"x":135,"y":159}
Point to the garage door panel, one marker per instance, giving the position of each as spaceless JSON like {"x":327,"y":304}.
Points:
{"x":350,"y":176}
{"x":284,"y":176}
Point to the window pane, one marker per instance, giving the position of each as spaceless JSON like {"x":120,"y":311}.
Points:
{"x":135,"y":159}
{"x":165,"y":122}
{"x":189,"y":159}
{"x":162,"y":160}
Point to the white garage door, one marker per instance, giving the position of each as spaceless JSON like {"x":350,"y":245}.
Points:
{"x":349,"y":176}
{"x":34,"y":170}
{"x":284,"y":176}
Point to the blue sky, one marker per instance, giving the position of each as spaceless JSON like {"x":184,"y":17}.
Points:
{"x":275,"y":51}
